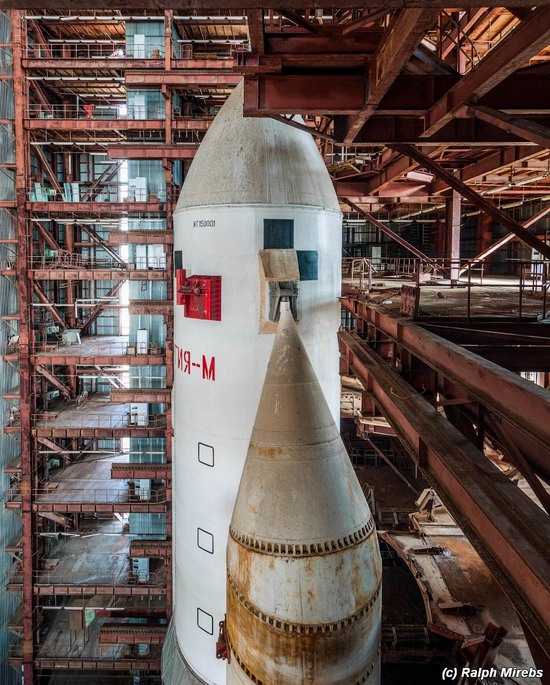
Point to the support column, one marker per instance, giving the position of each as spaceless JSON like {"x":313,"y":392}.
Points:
{"x":453,"y":212}
{"x":25,"y":339}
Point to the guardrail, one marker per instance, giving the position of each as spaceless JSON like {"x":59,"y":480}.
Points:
{"x":102,"y":193}
{"x":114,"y":50}
{"x":49,"y":495}
{"x":85,"y":419}
{"x":100,"y":349}
{"x":64,"y":260}
{"x":93,"y":111}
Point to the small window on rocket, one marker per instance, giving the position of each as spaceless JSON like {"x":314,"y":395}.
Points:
{"x":206,"y":454}
{"x":205,"y":621}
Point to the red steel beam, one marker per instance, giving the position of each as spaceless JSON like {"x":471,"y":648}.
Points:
{"x":46,"y":235}
{"x":74,"y":507}
{"x":493,"y":163}
{"x":150,"y":471}
{"x":511,"y":529}
{"x":200,"y":5}
{"x":521,"y":403}
{"x":41,"y":295}
{"x":145,"y":237}
{"x":98,"y":275}
{"x":92,"y":589}
{"x":399,"y":42}
{"x":472,"y":132}
{"x":96,"y":311}
{"x":523,"y":128}
{"x":24,"y":294}
{"x":525,"y":41}
{"x":51,"y":378}
{"x":179,"y":124}
{"x":467,"y":22}
{"x":179,"y":79}
{"x":106,"y":176}
{"x":256,"y":35}
{"x":90,"y":664}
{"x":145,"y":395}
{"x":281,"y":94}
{"x":475,"y":198}
{"x":154,"y":549}
{"x":124,"y":633}
{"x":48,"y":169}
{"x":161,"y":151}
{"x":110,"y":208}
{"x":505,"y":239}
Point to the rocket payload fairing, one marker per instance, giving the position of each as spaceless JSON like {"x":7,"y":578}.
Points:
{"x":303,"y":563}
{"x":257,"y":218}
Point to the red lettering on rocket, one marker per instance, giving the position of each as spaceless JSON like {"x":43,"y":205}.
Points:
{"x":185,"y":363}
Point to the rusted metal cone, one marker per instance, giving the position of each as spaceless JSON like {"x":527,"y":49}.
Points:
{"x":304,"y":569}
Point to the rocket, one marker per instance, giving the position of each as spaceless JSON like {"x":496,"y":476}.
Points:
{"x":257,"y":220}
{"x":303,"y":563}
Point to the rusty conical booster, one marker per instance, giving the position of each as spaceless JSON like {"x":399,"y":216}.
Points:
{"x":304,"y":569}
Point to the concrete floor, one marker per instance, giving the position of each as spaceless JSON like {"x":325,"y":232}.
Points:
{"x":98,"y":557}
{"x":94,"y":346}
{"x":97,"y":411}
{"x":496,"y":297}
{"x":88,"y":480}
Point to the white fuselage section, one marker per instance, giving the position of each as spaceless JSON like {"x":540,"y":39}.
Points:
{"x":219,"y":371}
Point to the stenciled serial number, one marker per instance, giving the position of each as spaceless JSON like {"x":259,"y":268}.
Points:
{"x":204,"y":223}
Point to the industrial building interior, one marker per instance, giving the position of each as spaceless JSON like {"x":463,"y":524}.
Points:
{"x":434,"y":124}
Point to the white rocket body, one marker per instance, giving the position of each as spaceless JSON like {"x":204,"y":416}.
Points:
{"x":248,"y":175}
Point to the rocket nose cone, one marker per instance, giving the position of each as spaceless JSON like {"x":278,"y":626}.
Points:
{"x":256,"y":160}
{"x":289,"y":365}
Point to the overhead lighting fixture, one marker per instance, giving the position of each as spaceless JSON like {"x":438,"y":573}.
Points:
{"x":422,"y":176}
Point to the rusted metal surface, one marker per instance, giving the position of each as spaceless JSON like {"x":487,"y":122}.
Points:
{"x":149,"y":79}
{"x":84,"y":664}
{"x":531,"y":131}
{"x":461,"y":598}
{"x":93,"y":589}
{"x":160,"y":151}
{"x":515,"y":50}
{"x":131,"y":470}
{"x":152,"y":237}
{"x":478,"y":200}
{"x":393,"y":52}
{"x":139,"y":634}
{"x":153,"y":549}
{"x":25,"y":367}
{"x":243,"y":4}
{"x":301,"y":521}
{"x":180,"y":124}
{"x":510,"y":528}
{"x":512,"y":398}
{"x":150,"y":395}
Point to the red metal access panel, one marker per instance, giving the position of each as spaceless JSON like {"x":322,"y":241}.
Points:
{"x":200,"y":295}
